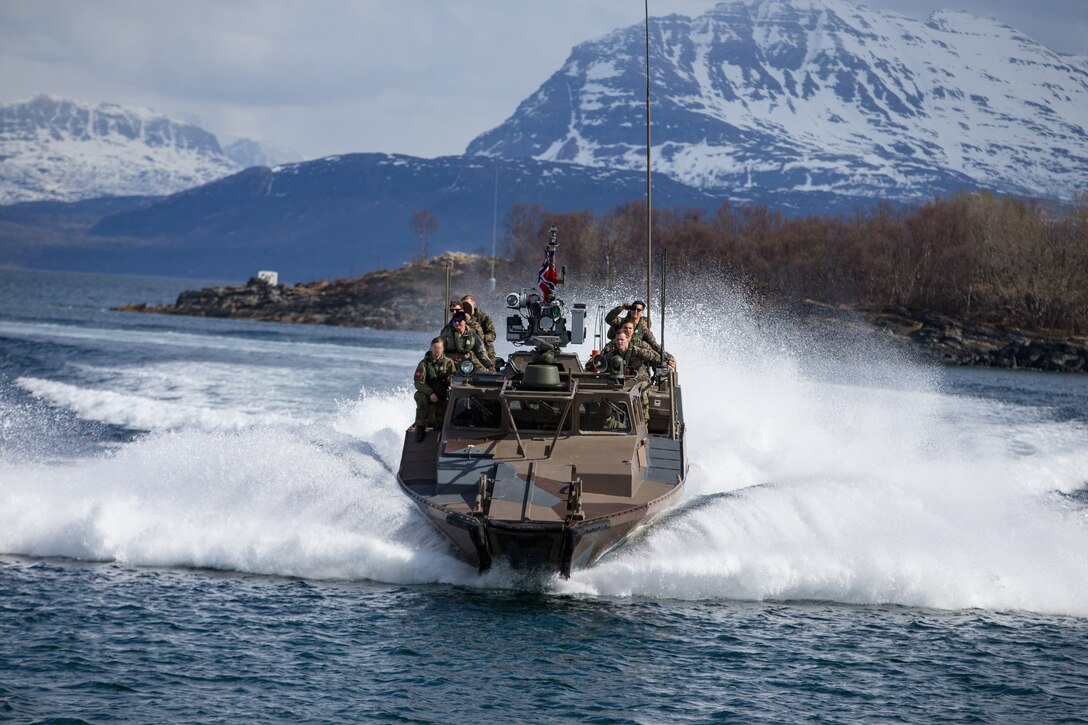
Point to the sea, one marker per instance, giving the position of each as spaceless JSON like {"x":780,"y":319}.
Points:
{"x":200,"y":522}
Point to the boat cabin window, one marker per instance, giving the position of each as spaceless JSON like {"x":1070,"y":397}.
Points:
{"x":604,"y":415}
{"x":470,"y":412}
{"x":539,"y":415}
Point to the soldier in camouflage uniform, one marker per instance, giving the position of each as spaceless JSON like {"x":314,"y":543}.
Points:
{"x":637,"y":359}
{"x":483,"y":321}
{"x":432,"y":380}
{"x":646,"y":338}
{"x":473,"y":325}
{"x":461,"y":342}
{"x":642,"y":331}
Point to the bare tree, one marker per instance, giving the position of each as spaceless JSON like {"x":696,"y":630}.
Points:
{"x":424,"y":224}
{"x":974,"y":255}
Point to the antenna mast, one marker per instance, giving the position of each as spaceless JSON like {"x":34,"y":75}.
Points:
{"x":649,"y":237}
{"x":494,"y":226}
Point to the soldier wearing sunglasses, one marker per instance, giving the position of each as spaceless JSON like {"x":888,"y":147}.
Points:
{"x":461,"y":342}
{"x":636,"y":314}
{"x":457,"y":309}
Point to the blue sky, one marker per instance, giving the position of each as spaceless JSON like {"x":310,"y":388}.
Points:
{"x":329,"y":76}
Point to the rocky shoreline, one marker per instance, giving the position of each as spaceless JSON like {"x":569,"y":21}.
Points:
{"x":411,"y":298}
{"x":407,"y":298}
{"x":951,"y":341}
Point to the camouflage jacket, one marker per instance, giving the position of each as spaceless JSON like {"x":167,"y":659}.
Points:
{"x":643,"y":333}
{"x":473,"y":326}
{"x":487,"y":330}
{"x":638,"y":357}
{"x":468,"y":345}
{"x":434,"y":376}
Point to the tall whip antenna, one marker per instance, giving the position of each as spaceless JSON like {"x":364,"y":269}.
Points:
{"x":494,"y":223}
{"x":649,"y":237}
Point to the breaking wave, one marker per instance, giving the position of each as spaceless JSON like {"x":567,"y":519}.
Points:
{"x":144,"y":413}
{"x":270,"y":501}
{"x":845,"y":475}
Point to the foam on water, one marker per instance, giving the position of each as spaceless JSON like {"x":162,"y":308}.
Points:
{"x":270,"y":501}
{"x":854,"y":491}
{"x":856,"y":483}
{"x":863,"y":542}
{"x":146,"y":413}
{"x":319,"y":353}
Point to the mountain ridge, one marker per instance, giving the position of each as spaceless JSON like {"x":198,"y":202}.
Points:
{"x":816,"y":94}
{"x":319,"y":218}
{"x":57,"y":149}
{"x":783,"y":103}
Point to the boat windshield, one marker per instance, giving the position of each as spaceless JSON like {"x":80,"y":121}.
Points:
{"x":602,"y":415}
{"x":470,"y":412}
{"x":539,"y":415}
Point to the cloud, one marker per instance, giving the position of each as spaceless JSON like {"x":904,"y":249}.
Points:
{"x":442,"y":71}
{"x":1062,"y":25}
{"x":327,"y":76}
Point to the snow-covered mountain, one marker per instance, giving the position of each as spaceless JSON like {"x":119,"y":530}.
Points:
{"x":56,"y":149}
{"x":799,"y":95}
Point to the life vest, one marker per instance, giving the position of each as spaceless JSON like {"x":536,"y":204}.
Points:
{"x":628,"y":369}
{"x":434,"y":374}
{"x":463,"y":343}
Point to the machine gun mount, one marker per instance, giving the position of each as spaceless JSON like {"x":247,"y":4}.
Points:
{"x":540,"y":317}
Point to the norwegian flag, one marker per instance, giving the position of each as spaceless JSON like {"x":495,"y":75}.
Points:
{"x":549,"y":275}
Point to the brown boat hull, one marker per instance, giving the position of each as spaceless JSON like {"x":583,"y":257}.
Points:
{"x":548,"y":477}
{"x":544,"y":547}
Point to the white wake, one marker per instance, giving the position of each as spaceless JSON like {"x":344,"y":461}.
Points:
{"x":856,"y":481}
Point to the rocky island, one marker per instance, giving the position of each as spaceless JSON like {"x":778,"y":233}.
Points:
{"x":411,"y":297}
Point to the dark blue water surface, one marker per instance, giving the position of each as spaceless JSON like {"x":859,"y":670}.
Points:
{"x":198,"y":522}
{"x":103,"y":643}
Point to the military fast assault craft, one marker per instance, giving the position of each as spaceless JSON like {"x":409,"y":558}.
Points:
{"x":550,"y":463}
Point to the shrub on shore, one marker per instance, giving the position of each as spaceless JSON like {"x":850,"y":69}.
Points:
{"x":974,"y":256}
